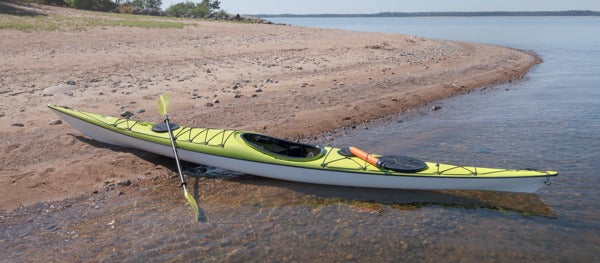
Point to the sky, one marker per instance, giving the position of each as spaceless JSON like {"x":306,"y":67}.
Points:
{"x":375,"y":6}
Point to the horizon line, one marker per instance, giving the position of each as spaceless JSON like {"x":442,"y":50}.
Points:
{"x":586,"y":12}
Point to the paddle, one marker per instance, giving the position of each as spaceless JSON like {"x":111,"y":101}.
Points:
{"x":163,"y":104}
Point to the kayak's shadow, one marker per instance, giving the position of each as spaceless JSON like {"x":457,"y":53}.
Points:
{"x":522,"y":203}
{"x":147,"y":156}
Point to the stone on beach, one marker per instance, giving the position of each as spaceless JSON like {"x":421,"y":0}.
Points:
{"x":60,"y":88}
{"x":126,"y":114}
{"x":54,"y":122}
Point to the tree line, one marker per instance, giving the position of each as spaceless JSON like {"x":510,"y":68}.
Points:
{"x":203,"y":9}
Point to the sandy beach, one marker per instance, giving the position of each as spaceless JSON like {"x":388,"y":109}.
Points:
{"x":280,"y":80}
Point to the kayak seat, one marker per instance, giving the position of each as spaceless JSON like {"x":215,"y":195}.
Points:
{"x":295,"y":151}
{"x":281,"y":147}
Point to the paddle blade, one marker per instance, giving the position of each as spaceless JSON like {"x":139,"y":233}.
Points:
{"x":192,"y":203}
{"x":163,"y":103}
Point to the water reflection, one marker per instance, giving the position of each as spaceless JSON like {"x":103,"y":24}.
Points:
{"x":371,"y":199}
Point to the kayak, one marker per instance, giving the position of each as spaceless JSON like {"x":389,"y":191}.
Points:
{"x":262,"y":155}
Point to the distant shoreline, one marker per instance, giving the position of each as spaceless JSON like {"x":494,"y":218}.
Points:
{"x":446,"y":14}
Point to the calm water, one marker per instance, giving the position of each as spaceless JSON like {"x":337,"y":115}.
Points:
{"x":551,"y":120}
{"x":548,"y":121}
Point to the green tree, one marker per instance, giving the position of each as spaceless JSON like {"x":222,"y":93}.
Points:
{"x":212,"y":5}
{"x":189,"y":9}
{"x":152,"y":4}
{"x":146,"y":4}
{"x":96,"y":5}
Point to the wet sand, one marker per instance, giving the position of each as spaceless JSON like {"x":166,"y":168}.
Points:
{"x":280,"y":80}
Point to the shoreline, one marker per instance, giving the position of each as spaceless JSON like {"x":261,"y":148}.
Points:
{"x":290,"y":82}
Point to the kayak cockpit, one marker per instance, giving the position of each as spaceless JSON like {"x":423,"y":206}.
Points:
{"x":282,"y":148}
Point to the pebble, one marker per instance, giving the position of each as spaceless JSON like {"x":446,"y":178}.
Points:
{"x":124,"y":183}
{"x":237,"y":96}
{"x":436,"y":107}
{"x":53,"y":228}
{"x":54,"y":122}
{"x":126,"y":114}
{"x":403,"y":245}
{"x":259,"y":90}
{"x":94,"y":79}
{"x":225,"y":241}
{"x":208,"y":104}
{"x":18,"y":124}
{"x":216,"y":101}
{"x":2,"y":114}
{"x":60,"y":88}
{"x":70,"y":82}
{"x":141,"y":111}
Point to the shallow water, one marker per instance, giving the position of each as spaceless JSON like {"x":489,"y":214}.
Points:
{"x":549,"y":121}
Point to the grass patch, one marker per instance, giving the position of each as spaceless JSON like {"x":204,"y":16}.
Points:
{"x":27,"y":24}
{"x":92,"y":22}
{"x":56,"y":22}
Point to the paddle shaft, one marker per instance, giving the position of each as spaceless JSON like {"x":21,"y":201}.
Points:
{"x":174,"y":151}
